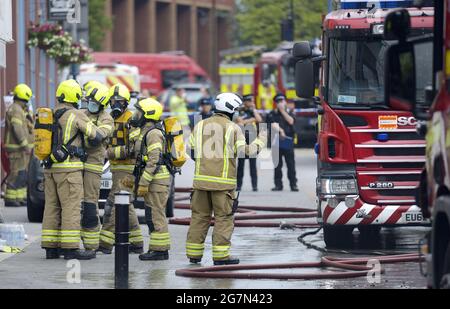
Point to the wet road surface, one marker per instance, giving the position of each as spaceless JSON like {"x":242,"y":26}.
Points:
{"x":251,"y":245}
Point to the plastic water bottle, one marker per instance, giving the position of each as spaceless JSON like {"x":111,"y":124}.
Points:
{"x":13,"y":234}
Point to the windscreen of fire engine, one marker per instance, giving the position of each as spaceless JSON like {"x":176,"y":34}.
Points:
{"x":356,"y":73}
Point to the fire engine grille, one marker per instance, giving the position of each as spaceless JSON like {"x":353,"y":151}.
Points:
{"x":399,"y":151}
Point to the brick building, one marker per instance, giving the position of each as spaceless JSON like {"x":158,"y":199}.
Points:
{"x":200,"y":28}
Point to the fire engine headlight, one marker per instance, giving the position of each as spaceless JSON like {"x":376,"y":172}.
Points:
{"x":339,"y":186}
{"x":378,"y":29}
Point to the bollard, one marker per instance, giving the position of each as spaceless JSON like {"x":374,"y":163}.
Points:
{"x":122,"y":244}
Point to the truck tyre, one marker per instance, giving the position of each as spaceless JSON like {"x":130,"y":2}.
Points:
{"x":445,"y":281}
{"x":338,"y":236}
{"x":35,"y":211}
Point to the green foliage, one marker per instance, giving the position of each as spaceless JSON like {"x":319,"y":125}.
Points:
{"x":260,"y":20}
{"x":99,"y":23}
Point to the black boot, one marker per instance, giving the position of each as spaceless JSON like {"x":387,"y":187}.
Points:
{"x":136,"y":249}
{"x":52,"y":254}
{"x":276,"y":189}
{"x":12,"y":204}
{"x":294,"y":188}
{"x":76,"y":254}
{"x":155,"y":256}
{"x":195,"y":261}
{"x":230,"y":261}
{"x":104,"y":250}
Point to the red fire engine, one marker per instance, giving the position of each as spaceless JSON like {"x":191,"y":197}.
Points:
{"x":370,"y":156}
{"x":424,"y":90}
{"x":158,"y":71}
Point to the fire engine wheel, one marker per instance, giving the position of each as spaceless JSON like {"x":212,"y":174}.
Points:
{"x":445,"y":281}
{"x":338,"y":236}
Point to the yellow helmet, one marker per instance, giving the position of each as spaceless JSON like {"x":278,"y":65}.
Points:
{"x":69,"y":91}
{"x":120,"y":92}
{"x":90,"y":84}
{"x":23,"y":92}
{"x":152,"y":109}
{"x":99,"y":93}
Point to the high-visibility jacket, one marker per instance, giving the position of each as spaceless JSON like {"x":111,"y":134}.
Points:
{"x":178,"y":108}
{"x":217,"y":142}
{"x":119,"y":146}
{"x":73,"y":122}
{"x":96,"y":155}
{"x":152,"y":152}
{"x":16,"y":132}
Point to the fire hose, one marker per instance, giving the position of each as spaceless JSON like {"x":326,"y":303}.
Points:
{"x":247,"y":216}
{"x":346,"y":268}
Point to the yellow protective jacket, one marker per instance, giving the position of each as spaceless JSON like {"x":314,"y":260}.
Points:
{"x":16,"y":132}
{"x":217,"y":142}
{"x":72,"y":123}
{"x":121,"y":144}
{"x":152,"y":152}
{"x":178,"y":108}
{"x":96,"y":155}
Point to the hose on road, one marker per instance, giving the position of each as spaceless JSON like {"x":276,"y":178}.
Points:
{"x":247,"y":217}
{"x":346,"y":268}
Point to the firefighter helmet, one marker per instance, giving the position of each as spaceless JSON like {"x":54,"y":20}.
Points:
{"x":227,"y":103}
{"x":69,"y":91}
{"x":22,"y":92}
{"x":120,"y":92}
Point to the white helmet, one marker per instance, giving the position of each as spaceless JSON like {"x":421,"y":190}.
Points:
{"x":227,"y":102}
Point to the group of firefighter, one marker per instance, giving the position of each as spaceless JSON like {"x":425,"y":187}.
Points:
{"x":90,"y":136}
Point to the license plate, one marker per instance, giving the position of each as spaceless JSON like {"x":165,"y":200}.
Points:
{"x":412,"y":217}
{"x":106,"y":185}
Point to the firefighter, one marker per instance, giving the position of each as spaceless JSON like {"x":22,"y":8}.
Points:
{"x":122,"y":166}
{"x":97,"y":98}
{"x":17,"y":146}
{"x":63,"y":176}
{"x":154,"y":180}
{"x":215,"y":179}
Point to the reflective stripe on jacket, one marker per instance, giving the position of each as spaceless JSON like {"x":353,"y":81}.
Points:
{"x":217,"y":142}
{"x":16,"y":131}
{"x":96,"y":155}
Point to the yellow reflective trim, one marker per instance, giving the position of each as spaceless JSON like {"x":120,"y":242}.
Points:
{"x":221,"y":180}
{"x":136,"y":232}
{"x":24,"y":143}
{"x":160,"y":235}
{"x":199,"y":150}
{"x":147,"y":176}
{"x":93,"y":167}
{"x":225,"y":152}
{"x":89,"y":129}
{"x":117,"y":152}
{"x":135,"y":133}
{"x":126,"y":168}
{"x":191,"y":141}
{"x":17,"y":121}
{"x":195,"y":246}
{"x":107,"y":233}
{"x":68,"y":165}
{"x":68,"y":128}
{"x":154,"y":146}
{"x":105,"y":126}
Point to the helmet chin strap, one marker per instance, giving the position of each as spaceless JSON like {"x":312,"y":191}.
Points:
{"x":230,"y":116}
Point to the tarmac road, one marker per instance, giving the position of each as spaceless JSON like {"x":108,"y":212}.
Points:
{"x":253,"y":245}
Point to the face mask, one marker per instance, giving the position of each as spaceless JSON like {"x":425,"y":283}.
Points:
{"x":137,"y":120}
{"x":93,"y":107}
{"x":117,"y":109}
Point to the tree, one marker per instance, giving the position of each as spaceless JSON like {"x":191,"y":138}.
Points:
{"x":99,"y":23}
{"x":260,"y":20}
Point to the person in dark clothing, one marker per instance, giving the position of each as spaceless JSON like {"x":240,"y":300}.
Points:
{"x":281,"y":121}
{"x":248,"y":120}
{"x":206,"y":111}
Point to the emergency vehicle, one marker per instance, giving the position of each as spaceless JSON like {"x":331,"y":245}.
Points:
{"x":424,"y":90}
{"x":370,"y":156}
{"x":158,"y":71}
{"x":274,"y":73}
{"x":110,"y":74}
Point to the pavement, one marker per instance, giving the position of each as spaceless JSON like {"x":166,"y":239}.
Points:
{"x":29,"y":269}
